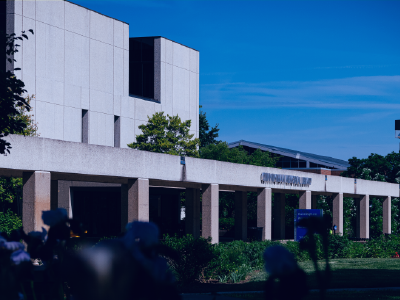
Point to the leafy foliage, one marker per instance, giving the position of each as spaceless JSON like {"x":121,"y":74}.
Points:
{"x":207,"y":135}
{"x":239,"y":155}
{"x":12,"y":103}
{"x":9,"y":221}
{"x":166,"y":134}
{"x":194,"y":256}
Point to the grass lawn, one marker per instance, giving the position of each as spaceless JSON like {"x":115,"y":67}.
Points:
{"x":346,"y":273}
{"x":344,"y":295}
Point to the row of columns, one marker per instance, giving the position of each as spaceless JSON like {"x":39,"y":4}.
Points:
{"x":37,"y":194}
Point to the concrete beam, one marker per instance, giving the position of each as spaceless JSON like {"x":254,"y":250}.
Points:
{"x":210,"y":212}
{"x":337,"y":212}
{"x":305,"y":200}
{"x":264,"y":212}
{"x":363,"y":217}
{"x":241,"y":216}
{"x":279,"y":216}
{"x":36,"y":199}
{"x":192,"y":212}
{"x":134,"y":201}
{"x":387,"y":215}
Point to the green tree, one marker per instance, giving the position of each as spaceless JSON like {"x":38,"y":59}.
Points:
{"x":167,"y":134}
{"x":207,"y":135}
{"x":12,"y":103}
{"x":378,"y":168}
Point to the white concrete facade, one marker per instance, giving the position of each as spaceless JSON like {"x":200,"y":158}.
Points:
{"x":78,"y":59}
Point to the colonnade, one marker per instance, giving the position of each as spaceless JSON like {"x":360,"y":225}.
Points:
{"x":38,"y":196}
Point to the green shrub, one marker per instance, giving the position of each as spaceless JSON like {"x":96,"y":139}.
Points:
{"x":194,"y":256}
{"x":339,"y":246}
{"x":9,"y":221}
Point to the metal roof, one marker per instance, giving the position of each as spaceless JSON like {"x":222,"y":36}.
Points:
{"x":314,"y":158}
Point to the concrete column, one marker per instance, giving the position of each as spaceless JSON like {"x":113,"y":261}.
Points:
{"x":35,"y":199}
{"x":314,"y":201}
{"x":337,"y":212}
{"x":210,"y":211}
{"x":363,"y":217}
{"x":241,"y":216}
{"x":387,"y":215}
{"x":135,"y":201}
{"x":192,"y":212}
{"x":279,"y":216}
{"x":305,"y":200}
{"x":61,"y":196}
{"x":264,"y":212}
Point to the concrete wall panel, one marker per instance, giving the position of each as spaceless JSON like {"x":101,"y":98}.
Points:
{"x":51,"y":12}
{"x":126,"y":36}
{"x":72,"y":96}
{"x":54,"y":53}
{"x":118,"y":34}
{"x":185,"y":57}
{"x":127,"y":131}
{"x":28,"y":8}
{"x":93,"y":128}
{"x":169,"y":86}
{"x":40,"y":38}
{"x":59,"y":122}
{"x":101,"y":66}
{"x":126,"y":73}
{"x":193,"y":61}
{"x":118,"y":71}
{"x":162,"y":49}
{"x":178,"y":92}
{"x":109,"y":131}
{"x":29,"y":56}
{"x":128,"y":107}
{"x":101,"y":28}
{"x":76,"y":59}
{"x":144,"y":109}
{"x":109,"y":104}
{"x":186,"y":90}
{"x":85,"y":98}
{"x":76,"y":19}
{"x":14,"y":7}
{"x":169,"y":50}
{"x":117,"y":105}
{"x":72,"y":124}
{"x":163,"y":82}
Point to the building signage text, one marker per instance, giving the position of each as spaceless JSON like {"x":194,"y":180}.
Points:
{"x":287,"y":179}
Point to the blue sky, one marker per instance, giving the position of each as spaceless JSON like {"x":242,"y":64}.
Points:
{"x":315,"y":76}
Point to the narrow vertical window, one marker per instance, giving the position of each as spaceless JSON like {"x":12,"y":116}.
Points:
{"x":117,"y":131}
{"x":85,"y":126}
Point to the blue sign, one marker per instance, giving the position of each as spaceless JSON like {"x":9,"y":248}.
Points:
{"x":300,"y":232}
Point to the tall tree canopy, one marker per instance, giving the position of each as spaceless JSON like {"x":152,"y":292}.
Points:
{"x":207,"y":135}
{"x":12,"y":103}
{"x":167,"y":134}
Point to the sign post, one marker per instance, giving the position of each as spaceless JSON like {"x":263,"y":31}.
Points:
{"x":300,"y":232}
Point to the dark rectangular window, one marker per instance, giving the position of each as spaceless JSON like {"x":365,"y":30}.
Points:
{"x":85,"y":126}
{"x":397,"y":125}
{"x":302,"y":164}
{"x":117,"y":131}
{"x":141,"y":67}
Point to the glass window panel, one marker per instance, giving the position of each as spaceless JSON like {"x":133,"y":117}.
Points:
{"x":148,"y":80}
{"x":135,"y":50}
{"x":135,"y":78}
{"x":147,"y":49}
{"x":286,"y":164}
{"x":313,"y":165}
{"x":294,"y":163}
{"x":302,"y":164}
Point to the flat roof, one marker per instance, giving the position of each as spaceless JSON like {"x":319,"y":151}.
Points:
{"x":157,"y":37}
{"x":315,"y":158}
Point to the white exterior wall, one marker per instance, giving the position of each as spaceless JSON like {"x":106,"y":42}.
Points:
{"x":79,"y":59}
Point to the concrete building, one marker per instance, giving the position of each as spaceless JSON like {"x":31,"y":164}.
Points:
{"x":94,"y":85}
{"x":298,"y":160}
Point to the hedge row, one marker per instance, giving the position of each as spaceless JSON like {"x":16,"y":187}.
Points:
{"x":233,"y":261}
